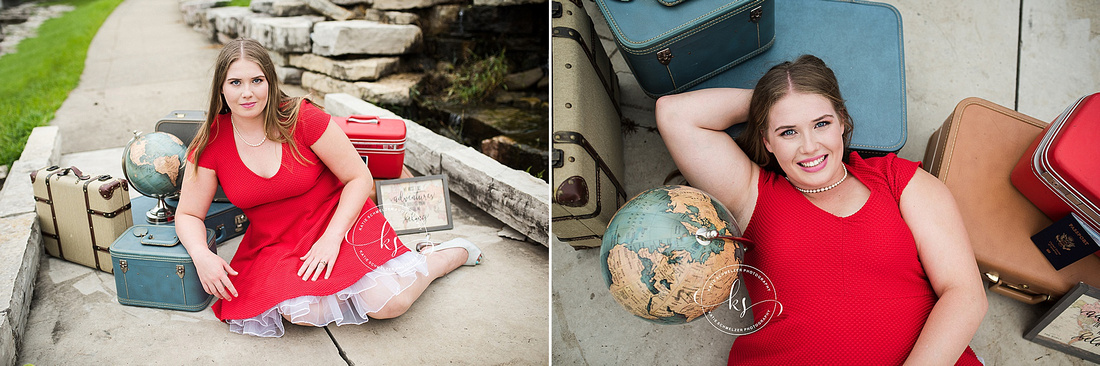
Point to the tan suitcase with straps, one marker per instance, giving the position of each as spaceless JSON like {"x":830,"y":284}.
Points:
{"x":587,"y":155}
{"x":81,"y":215}
{"x":974,"y":153}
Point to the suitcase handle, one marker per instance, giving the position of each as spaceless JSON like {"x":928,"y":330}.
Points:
{"x":363,"y":119}
{"x":76,"y":172}
{"x":1011,"y":293}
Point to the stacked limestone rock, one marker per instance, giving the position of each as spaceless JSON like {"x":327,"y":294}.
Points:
{"x":345,"y":46}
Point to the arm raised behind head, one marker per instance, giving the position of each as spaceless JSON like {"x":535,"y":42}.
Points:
{"x":693,"y":127}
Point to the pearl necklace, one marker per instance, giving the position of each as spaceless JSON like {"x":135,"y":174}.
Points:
{"x":819,"y":190}
{"x":233,"y":121}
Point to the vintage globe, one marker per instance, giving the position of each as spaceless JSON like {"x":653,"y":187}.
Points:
{"x":153,"y":163}
{"x":656,"y":259}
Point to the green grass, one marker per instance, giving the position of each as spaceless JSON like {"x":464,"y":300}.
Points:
{"x":478,"y":79}
{"x":243,"y":3}
{"x":37,"y":78}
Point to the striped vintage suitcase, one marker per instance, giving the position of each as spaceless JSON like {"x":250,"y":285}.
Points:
{"x":80,"y":215}
{"x":587,"y":156}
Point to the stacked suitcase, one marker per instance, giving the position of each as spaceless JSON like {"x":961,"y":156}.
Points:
{"x":974,"y":153}
{"x":226,"y":220}
{"x":153,"y":269}
{"x":587,"y":155}
{"x":871,"y":72}
{"x":674,"y":45}
{"x":1059,"y":173}
{"x":185,"y":124}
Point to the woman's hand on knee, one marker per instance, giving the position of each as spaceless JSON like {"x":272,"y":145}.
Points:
{"x":320,"y":258}
{"x":214,"y":274}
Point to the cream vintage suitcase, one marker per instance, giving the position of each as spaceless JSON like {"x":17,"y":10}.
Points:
{"x":587,"y":150}
{"x":81,"y":215}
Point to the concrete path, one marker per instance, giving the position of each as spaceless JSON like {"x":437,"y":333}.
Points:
{"x":145,"y":62}
{"x":1034,"y":56}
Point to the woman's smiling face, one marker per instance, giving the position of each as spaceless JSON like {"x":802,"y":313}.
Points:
{"x":805,"y":134}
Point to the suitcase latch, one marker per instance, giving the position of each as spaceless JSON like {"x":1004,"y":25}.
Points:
{"x":664,"y":56}
{"x":180,"y":270}
{"x":240,"y":220}
{"x":122,"y":265}
{"x":557,"y":158}
{"x":755,"y":14}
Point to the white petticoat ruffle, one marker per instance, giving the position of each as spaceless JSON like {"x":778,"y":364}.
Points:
{"x":343,"y":307}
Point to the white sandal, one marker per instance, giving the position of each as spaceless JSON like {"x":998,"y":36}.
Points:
{"x":472,"y":250}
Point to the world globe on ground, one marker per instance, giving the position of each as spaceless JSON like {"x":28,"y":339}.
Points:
{"x":153,"y":163}
{"x":653,"y":263}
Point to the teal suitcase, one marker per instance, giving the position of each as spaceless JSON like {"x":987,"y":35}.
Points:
{"x":675,"y":45}
{"x":861,"y":42}
{"x":152,"y":269}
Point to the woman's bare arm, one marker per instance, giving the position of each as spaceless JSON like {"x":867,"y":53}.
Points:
{"x":944,"y":250}
{"x":693,"y":127}
{"x":336,"y":152}
{"x":199,"y":186}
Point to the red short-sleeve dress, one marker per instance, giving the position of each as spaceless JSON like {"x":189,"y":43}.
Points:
{"x":852,"y":288}
{"x":288,"y":213}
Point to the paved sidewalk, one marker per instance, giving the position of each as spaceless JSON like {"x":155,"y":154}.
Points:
{"x":145,"y":62}
{"x":1036,"y":56}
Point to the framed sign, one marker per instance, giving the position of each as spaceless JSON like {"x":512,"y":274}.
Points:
{"x":416,"y":204}
{"x":1073,"y":325}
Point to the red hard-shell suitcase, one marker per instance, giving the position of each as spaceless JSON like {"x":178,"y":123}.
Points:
{"x":380,"y":140}
{"x":1059,"y":173}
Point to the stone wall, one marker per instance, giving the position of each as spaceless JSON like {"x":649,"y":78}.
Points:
{"x":20,"y":239}
{"x":376,"y":50}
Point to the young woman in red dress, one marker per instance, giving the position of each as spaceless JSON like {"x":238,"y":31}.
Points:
{"x":302,"y":185}
{"x":868,"y":257}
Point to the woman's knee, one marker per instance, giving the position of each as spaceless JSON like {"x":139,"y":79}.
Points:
{"x":396,"y":307}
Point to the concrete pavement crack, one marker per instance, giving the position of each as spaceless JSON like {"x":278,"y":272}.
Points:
{"x":343,"y":355}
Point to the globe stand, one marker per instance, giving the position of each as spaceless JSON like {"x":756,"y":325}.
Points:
{"x":161,"y":213}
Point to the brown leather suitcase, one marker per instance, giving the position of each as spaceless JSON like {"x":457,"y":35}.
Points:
{"x":587,"y":150}
{"x":81,"y":215}
{"x":974,"y":153}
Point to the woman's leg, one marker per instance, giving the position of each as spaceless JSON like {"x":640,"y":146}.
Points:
{"x":439,"y":263}
{"x":316,"y":311}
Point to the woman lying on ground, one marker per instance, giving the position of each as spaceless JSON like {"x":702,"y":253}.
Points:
{"x":869,"y":257}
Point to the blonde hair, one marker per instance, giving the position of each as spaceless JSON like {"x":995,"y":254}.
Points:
{"x":279,"y":122}
{"x":808,"y":75}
